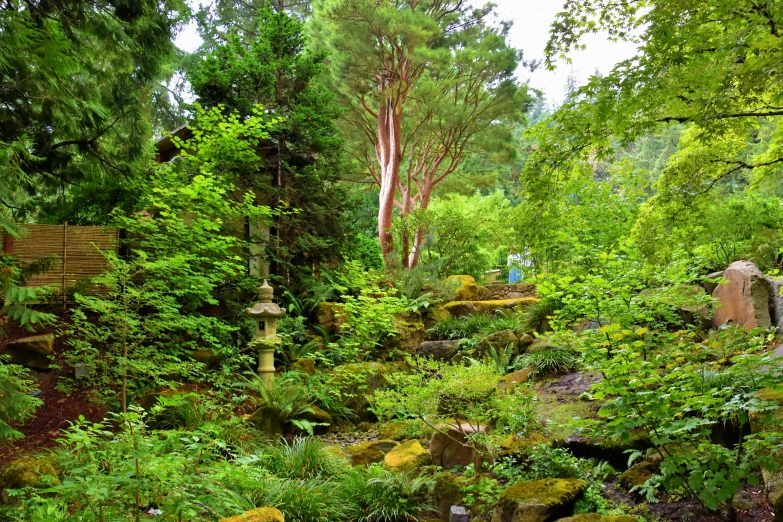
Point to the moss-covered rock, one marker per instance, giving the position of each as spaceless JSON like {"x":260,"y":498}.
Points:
{"x":464,"y":286}
{"x":264,"y":514}
{"x":409,"y":333}
{"x":330,"y":316}
{"x":595,"y":517}
{"x":403,"y":430}
{"x":463,"y":308}
{"x":32,"y":352}
{"x":267,"y":420}
{"x":369,"y":452}
{"x":320,"y":418}
{"x":28,"y":472}
{"x":408,"y":456}
{"x":304,"y":365}
{"x":508,"y":382}
{"x":498,"y":340}
{"x":639,"y":473}
{"x":206,"y":356}
{"x":538,"y":500}
{"x":516,"y":446}
{"x":446,"y":492}
{"x":541,"y":344}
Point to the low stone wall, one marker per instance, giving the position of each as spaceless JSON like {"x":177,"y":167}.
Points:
{"x":506,"y":291}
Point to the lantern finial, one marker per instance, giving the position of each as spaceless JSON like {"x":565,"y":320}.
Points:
{"x":265,"y":293}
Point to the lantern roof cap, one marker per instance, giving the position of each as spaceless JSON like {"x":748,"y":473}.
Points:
{"x":265,"y":307}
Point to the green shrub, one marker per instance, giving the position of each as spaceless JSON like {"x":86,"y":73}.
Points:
{"x":553,"y":361}
{"x":304,"y":458}
{"x":15,"y":403}
{"x":378,"y":495}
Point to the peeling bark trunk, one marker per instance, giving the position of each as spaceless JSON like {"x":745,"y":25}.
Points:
{"x":388,"y":154}
{"x":418,"y":241}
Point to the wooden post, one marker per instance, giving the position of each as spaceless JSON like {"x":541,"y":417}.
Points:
{"x":65,"y":263}
{"x":9,"y":244}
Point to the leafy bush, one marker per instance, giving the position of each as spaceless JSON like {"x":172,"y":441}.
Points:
{"x":118,"y":469}
{"x":15,"y":403}
{"x":661,"y":395}
{"x":16,"y":298}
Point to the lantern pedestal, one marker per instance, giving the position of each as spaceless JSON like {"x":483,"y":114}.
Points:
{"x":266,"y":364}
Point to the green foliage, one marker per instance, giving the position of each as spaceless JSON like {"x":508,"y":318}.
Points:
{"x":75,"y":127}
{"x":667,"y":397}
{"x":300,"y":162}
{"x":474,"y":325}
{"x":378,"y":495}
{"x":710,"y":81}
{"x":15,"y":403}
{"x":500,"y":358}
{"x":553,"y":361}
{"x":17,"y":298}
{"x":370,"y":307}
{"x":464,"y":398}
{"x":304,"y":458}
{"x":109,"y":474}
{"x":184,"y":254}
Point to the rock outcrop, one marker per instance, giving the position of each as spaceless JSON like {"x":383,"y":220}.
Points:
{"x":32,"y":352}
{"x":439,"y":350}
{"x":450,"y":447}
{"x":264,"y":514}
{"x":369,"y":452}
{"x":464,"y":286}
{"x":538,"y":500}
{"x":499,"y":341}
{"x":463,"y":308}
{"x":408,"y":456}
{"x":744,"y":298}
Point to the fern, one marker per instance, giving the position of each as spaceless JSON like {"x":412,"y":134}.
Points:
{"x":15,"y":403}
{"x":17,"y":297}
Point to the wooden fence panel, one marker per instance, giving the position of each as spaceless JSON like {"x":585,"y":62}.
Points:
{"x":76,"y":250}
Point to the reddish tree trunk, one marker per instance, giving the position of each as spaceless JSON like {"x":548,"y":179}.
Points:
{"x":388,"y":153}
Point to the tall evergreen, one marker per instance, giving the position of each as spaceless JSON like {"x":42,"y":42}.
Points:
{"x":301,"y":162}
{"x":76,"y":78}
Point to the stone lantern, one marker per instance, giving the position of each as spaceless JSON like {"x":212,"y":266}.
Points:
{"x":266,"y":313}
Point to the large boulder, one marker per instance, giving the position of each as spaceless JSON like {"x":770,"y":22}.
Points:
{"x":330,"y":316}
{"x":32,"y":352}
{"x":268,"y":421}
{"x":464,"y":286}
{"x":499,"y":341}
{"x":409,"y":333}
{"x":265,"y":514}
{"x":744,"y":298}
{"x":439,"y":350}
{"x":538,"y":500}
{"x":369,"y":452}
{"x":408,"y":456}
{"x":27,"y":472}
{"x":451,"y":447}
{"x":463,"y":308}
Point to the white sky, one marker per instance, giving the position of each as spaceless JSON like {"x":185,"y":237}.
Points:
{"x":532,"y":19}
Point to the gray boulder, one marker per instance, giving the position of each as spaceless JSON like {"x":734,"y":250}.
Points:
{"x":439,"y":350}
{"x":32,"y":352}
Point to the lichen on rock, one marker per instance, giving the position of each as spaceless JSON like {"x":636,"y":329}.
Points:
{"x":264,"y":514}
{"x":408,"y":456}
